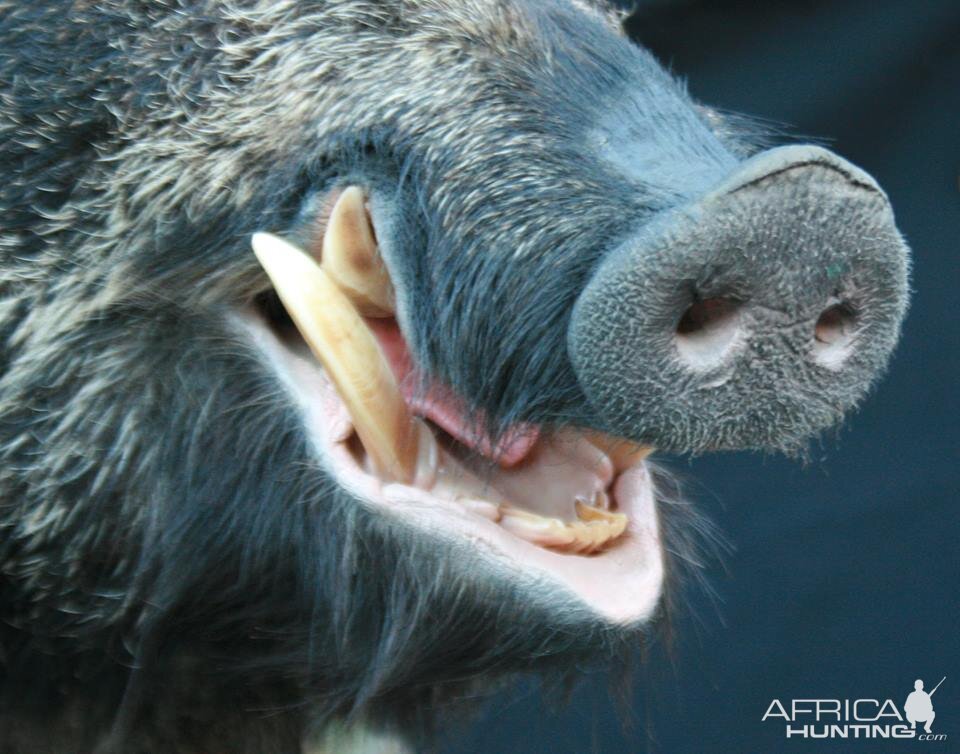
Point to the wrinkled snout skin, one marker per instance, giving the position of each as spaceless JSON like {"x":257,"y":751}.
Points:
{"x":573,"y":242}
{"x":577,"y":206}
{"x":800,"y":248}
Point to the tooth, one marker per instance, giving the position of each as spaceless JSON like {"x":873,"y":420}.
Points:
{"x":337,"y":335}
{"x":601,"y":500}
{"x":600,"y":533}
{"x":428,"y":457}
{"x":351,"y":259}
{"x":617,"y":522}
{"x":548,"y":532}
{"x":623,"y":453}
{"x":587,"y":536}
{"x":582,"y":538}
{"x":594,"y":529}
{"x":605,"y":524}
{"x":482,"y":508}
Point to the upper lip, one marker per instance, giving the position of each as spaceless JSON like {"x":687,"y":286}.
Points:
{"x":567,"y":490}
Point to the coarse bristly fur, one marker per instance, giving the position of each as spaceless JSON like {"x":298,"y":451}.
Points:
{"x":178,"y":573}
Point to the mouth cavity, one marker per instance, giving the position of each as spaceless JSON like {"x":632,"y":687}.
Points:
{"x":557,"y":489}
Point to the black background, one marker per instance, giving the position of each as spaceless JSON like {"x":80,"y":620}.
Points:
{"x":845,"y":577}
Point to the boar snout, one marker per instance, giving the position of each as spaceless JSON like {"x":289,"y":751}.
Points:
{"x":753,"y":316}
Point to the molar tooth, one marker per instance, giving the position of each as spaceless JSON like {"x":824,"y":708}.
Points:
{"x":351,"y":258}
{"x":615,"y":522}
{"x":481,"y":507}
{"x":601,"y":533}
{"x":548,"y":532}
{"x":595,"y":528}
{"x":582,"y":537}
{"x":602,"y":501}
{"x":592,"y":535}
{"x":338,"y":337}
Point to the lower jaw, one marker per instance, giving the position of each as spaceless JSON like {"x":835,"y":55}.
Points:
{"x":621,"y":582}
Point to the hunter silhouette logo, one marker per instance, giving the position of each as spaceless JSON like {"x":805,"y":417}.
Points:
{"x":858,"y":718}
{"x":919,"y":707}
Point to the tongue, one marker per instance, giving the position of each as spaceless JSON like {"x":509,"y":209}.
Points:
{"x":441,"y":406}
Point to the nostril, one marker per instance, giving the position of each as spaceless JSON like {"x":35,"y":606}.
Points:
{"x":706,"y":329}
{"x":834,"y":324}
{"x":833,"y":334}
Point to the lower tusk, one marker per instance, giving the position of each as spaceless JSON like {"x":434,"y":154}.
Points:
{"x":351,"y":257}
{"x":338,"y":337}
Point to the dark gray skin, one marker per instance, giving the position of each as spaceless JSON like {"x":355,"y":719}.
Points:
{"x":178,"y":574}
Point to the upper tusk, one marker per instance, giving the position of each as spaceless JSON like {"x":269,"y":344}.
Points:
{"x":337,"y":335}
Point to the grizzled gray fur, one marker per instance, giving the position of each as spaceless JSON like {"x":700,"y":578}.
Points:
{"x":177,"y":574}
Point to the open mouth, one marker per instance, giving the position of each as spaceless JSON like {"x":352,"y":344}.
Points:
{"x":564,"y":505}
